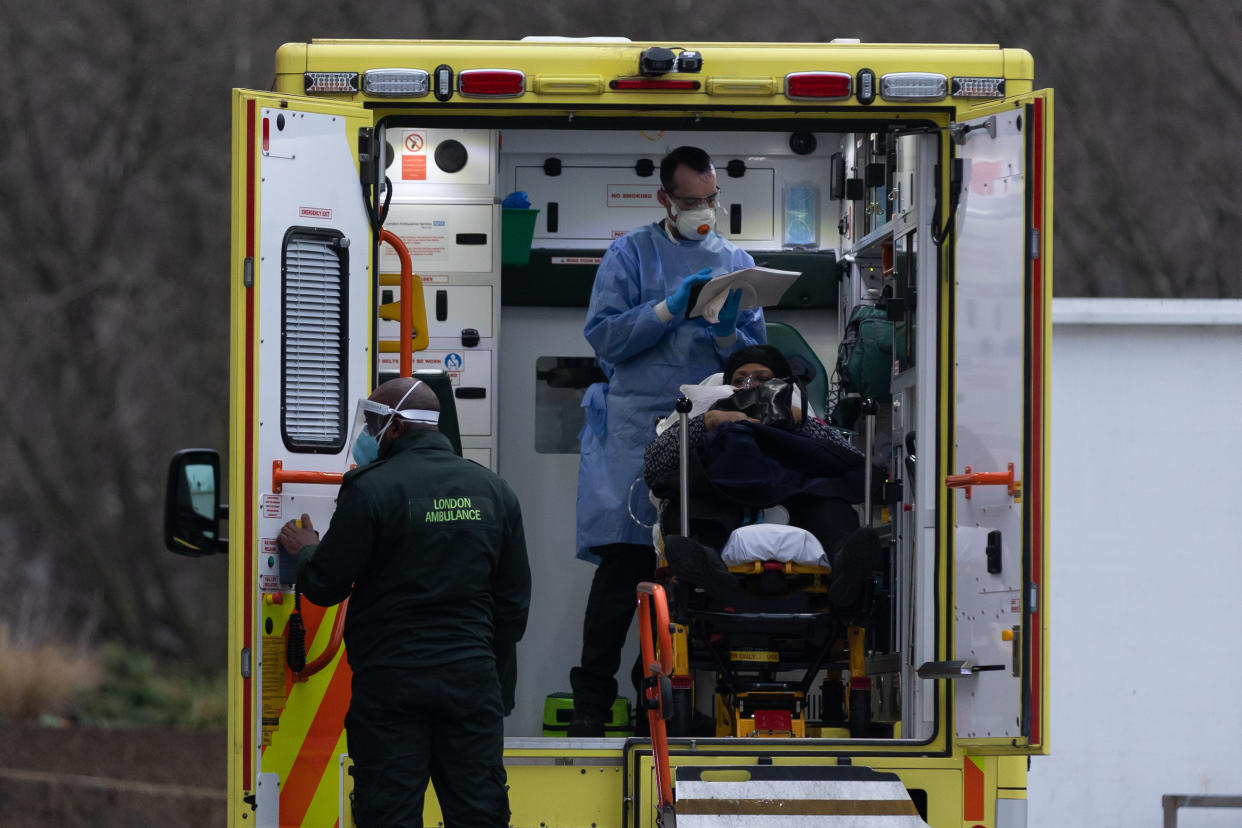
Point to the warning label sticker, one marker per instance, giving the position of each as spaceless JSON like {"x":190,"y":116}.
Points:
{"x":414,"y":155}
{"x":269,"y":505}
{"x":414,"y":167}
{"x":576,"y":260}
{"x":453,"y":362}
{"x":628,"y":195}
{"x":426,"y":237}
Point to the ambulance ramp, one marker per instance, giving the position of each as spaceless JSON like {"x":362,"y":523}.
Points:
{"x":780,"y":796}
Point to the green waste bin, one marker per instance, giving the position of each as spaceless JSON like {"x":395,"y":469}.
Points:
{"x":517,"y":229}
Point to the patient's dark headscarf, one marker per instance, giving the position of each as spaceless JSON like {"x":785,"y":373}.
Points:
{"x":761,"y":354}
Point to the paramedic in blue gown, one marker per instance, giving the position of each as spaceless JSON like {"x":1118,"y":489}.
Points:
{"x":646,"y":348}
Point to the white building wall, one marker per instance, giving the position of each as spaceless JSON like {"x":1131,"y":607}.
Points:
{"x":1146,"y":596}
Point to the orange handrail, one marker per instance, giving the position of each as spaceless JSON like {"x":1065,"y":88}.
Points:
{"x":407,"y":300}
{"x":657,"y":688}
{"x":280,"y":476}
{"x":969,"y":479}
{"x":334,"y":644}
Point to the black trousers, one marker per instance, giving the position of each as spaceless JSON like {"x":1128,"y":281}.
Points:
{"x":610,"y":608}
{"x":444,"y":724}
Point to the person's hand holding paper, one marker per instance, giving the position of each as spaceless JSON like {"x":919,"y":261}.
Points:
{"x":759,"y":286}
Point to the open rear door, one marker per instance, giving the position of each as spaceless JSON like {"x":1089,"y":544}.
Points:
{"x":998,"y":480}
{"x":301,"y":356}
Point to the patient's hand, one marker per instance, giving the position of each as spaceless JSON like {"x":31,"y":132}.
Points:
{"x":714,"y":418}
{"x":797,"y":415}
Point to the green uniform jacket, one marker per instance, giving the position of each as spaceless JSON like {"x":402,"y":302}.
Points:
{"x":430,"y":550}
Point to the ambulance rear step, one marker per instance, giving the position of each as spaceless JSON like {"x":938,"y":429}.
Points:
{"x":780,"y":795}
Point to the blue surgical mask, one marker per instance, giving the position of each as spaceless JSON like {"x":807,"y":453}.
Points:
{"x":366,"y":448}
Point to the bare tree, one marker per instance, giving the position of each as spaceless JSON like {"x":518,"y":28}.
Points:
{"x":114,"y":162}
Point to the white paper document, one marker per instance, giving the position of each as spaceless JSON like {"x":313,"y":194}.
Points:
{"x":761,"y":286}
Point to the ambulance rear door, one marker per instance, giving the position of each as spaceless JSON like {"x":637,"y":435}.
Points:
{"x":996,"y":486}
{"x":302,"y":305}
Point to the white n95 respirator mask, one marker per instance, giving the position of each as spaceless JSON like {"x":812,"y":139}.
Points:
{"x":695,"y":224}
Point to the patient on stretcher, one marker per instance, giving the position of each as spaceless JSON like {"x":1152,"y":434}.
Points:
{"x":767,"y":482}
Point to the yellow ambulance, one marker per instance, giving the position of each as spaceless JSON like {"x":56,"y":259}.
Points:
{"x":910,"y":186}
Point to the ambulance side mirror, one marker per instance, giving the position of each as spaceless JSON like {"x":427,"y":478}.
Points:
{"x":192,"y":511}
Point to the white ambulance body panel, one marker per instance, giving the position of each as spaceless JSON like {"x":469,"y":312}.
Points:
{"x":990,"y":349}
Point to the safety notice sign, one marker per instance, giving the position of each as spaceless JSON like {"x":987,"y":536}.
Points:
{"x":414,"y":155}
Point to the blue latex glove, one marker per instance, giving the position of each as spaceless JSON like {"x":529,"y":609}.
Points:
{"x":517,"y":199}
{"x":676,"y":303}
{"x":728,"y":314}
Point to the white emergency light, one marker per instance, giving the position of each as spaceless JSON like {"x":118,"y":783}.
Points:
{"x":396,"y":83}
{"x":978,"y":87}
{"x":913,"y":86}
{"x":331,"y":83}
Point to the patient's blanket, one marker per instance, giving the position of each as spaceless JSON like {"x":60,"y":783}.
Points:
{"x":773,"y":542}
{"x":761,"y":466}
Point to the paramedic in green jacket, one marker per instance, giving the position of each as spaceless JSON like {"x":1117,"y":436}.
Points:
{"x":429,"y":549}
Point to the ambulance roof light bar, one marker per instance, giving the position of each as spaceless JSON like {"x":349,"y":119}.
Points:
{"x":330,"y":83}
{"x":491,"y":83}
{"x":913,"y":86}
{"x":396,"y":83}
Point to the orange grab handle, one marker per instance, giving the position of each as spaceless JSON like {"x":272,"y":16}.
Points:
{"x":334,"y":644}
{"x":280,"y":476}
{"x":653,"y":611}
{"x":407,"y":300}
{"x":969,"y":479}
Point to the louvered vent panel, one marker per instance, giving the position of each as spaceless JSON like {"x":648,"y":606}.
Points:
{"x":314,"y":360}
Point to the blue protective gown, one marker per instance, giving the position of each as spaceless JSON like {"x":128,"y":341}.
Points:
{"x":645,"y":360}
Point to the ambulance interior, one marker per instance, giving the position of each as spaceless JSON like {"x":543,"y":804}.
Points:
{"x":852,"y":211}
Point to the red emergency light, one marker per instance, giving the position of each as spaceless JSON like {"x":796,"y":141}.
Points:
{"x":491,"y":83}
{"x":632,"y":84}
{"x":818,"y":86}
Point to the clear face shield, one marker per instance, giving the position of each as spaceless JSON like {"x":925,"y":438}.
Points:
{"x":371,"y":421}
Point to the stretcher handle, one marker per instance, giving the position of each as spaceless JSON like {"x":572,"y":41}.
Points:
{"x":407,"y":300}
{"x":974,"y":478}
{"x":682,"y":407}
{"x":653,"y":612}
{"x":334,"y":644}
{"x":869,"y":409}
{"x":280,"y":476}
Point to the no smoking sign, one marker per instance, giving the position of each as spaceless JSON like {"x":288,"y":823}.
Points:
{"x":415,"y":141}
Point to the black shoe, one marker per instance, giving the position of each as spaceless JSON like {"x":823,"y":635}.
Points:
{"x":702,"y":566}
{"x":853,"y":562}
{"x":585,"y":725}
